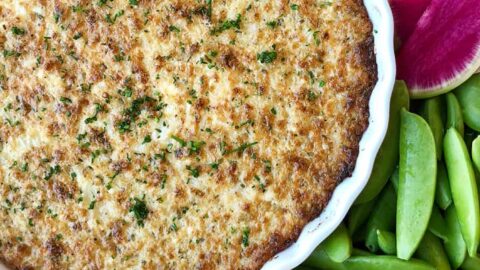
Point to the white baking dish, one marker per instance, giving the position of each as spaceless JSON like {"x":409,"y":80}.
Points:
{"x":346,"y":193}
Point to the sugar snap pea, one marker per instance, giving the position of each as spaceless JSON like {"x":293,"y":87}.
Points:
{"x":454,"y":113}
{"x":464,"y":188}
{"x":469,"y":136}
{"x":417,"y":180}
{"x":387,"y":242}
{"x":443,"y":195}
{"x":382,"y":217}
{"x":360,"y":252}
{"x":384,"y":262}
{"x":431,"y":250}
{"x":394,"y":179}
{"x":437,"y":224}
{"x":432,"y":113}
{"x":471,"y":263}
{"x":455,"y":246}
{"x":320,"y":260}
{"x":338,"y":245}
{"x":468,"y":95}
{"x":476,"y":152}
{"x":387,"y":157}
{"x":358,"y":214}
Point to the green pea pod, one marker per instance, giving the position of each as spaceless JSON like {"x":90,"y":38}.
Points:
{"x":416,"y":187}
{"x":358,"y":214}
{"x":431,"y":251}
{"x":338,"y":245}
{"x":387,"y":242}
{"x":468,"y":95}
{"x":437,"y":224}
{"x":476,"y":152}
{"x":382,"y":217}
{"x":384,"y":262}
{"x":360,"y":252}
{"x":464,"y":188}
{"x":320,"y":260}
{"x":469,"y":136}
{"x":455,"y":246}
{"x":432,"y":113}
{"x":443,"y":195}
{"x":387,"y":157}
{"x":394,"y":179}
{"x":471,"y":263}
{"x":454,"y":114}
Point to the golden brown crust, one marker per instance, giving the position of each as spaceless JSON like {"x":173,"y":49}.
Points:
{"x":173,"y":134}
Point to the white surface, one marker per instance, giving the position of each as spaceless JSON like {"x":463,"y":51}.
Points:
{"x":346,"y":193}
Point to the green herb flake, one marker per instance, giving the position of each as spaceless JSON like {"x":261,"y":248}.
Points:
{"x":195,"y":172}
{"x":65,"y":100}
{"x":17,"y":31}
{"x":173,"y":28}
{"x":267,"y":57}
{"x":179,"y":140}
{"x":294,"y":7}
{"x":241,"y":148}
{"x":228,"y":24}
{"x":140,"y":211}
{"x":147,"y":139}
{"x":272,"y":24}
{"x":91,"y":206}
{"x":245,"y":237}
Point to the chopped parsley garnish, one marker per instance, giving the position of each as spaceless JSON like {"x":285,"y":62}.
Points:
{"x":127,"y":92}
{"x":101,"y":3}
{"x":77,"y":36}
{"x":147,"y":139}
{"x":206,"y":10}
{"x":133,"y":2}
{"x":228,"y":24}
{"x":214,"y":165}
{"x":119,"y":57}
{"x":294,"y":7}
{"x":195,"y":146}
{"x":316,"y":38}
{"x":17,"y":31}
{"x":91,"y":206}
{"x":195,"y":172}
{"x":112,"y":20}
{"x":245,"y":237}
{"x":179,"y":140}
{"x":140,"y":211}
{"x":173,"y":28}
{"x":241,"y":148}
{"x":65,"y":100}
{"x":311,"y":96}
{"x":273,"y":111}
{"x":98,"y":108}
{"x":272,"y":24}
{"x":52,"y":171}
{"x":267,"y":57}
{"x":262,"y":185}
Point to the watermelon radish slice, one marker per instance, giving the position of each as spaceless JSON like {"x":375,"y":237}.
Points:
{"x":443,"y":50}
{"x":406,"y":15}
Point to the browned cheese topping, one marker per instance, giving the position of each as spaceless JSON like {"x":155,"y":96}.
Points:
{"x":174,"y":134}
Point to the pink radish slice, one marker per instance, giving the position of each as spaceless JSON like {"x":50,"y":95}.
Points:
{"x":443,"y":50}
{"x":406,"y":14}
